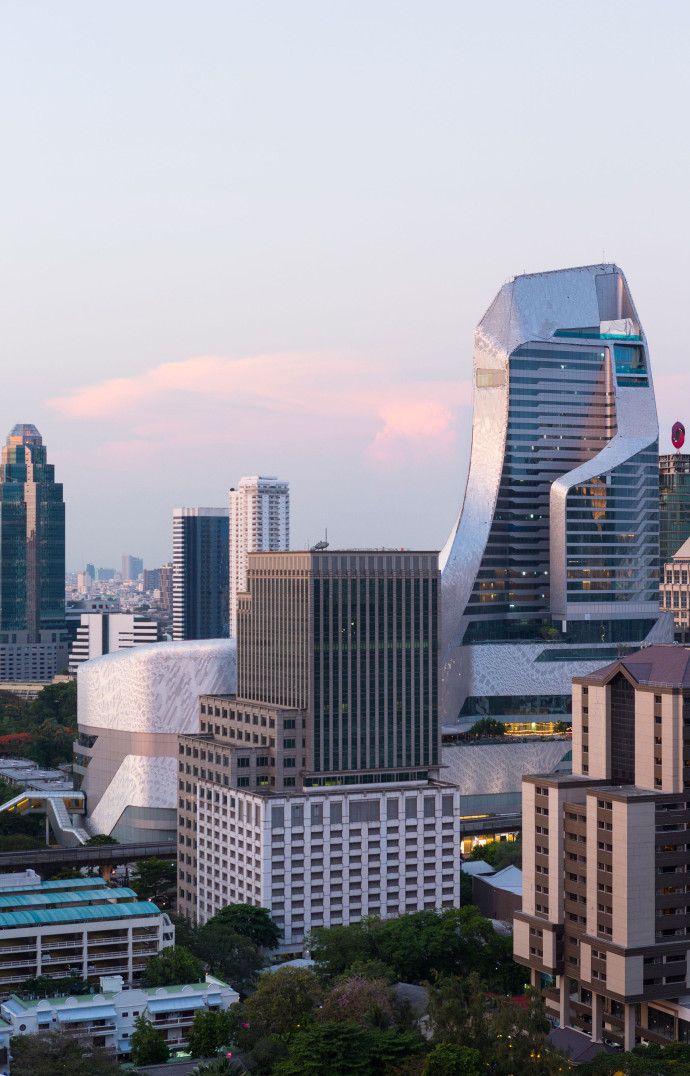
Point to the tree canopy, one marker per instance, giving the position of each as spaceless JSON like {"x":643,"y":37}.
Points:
{"x":487,"y":726}
{"x":283,"y":1000}
{"x":47,"y":1052}
{"x":147,"y":1045}
{"x":211,"y":1029}
{"x":155,"y":879}
{"x":251,"y":922}
{"x":173,"y":966}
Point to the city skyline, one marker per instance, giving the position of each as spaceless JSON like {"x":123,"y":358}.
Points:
{"x":290,"y":261}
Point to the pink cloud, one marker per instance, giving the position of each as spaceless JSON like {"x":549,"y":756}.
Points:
{"x":213,"y":400}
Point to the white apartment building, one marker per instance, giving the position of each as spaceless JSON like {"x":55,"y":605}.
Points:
{"x":259,"y":522}
{"x":76,"y":925}
{"x":106,"y":633}
{"x":322,"y":858}
{"x":107,"y":1018}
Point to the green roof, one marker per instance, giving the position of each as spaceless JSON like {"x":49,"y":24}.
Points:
{"x":73,"y":897}
{"x":72,"y":915}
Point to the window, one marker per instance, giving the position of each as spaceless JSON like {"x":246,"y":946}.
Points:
{"x":364,"y":810}
{"x":297,"y":814}
{"x":316,"y":814}
{"x":410,"y":807}
{"x":243,"y":763}
{"x":392,"y":808}
{"x":336,"y":814}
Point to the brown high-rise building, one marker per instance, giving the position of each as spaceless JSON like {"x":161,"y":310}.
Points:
{"x":606,"y":859}
{"x":329,"y":753}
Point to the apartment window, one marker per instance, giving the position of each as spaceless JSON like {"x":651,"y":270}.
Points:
{"x":392,"y":808}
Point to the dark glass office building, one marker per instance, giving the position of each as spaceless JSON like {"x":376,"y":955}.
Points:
{"x":32,"y":539}
{"x":201,"y":603}
{"x":674,"y":504}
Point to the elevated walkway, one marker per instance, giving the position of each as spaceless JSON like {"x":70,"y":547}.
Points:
{"x":59,"y":809}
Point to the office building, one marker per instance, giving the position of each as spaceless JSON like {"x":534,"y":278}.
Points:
{"x":605,"y":859}
{"x":328,"y":755}
{"x":152,"y":579}
{"x":78,"y":926}
{"x":165,"y":585}
{"x":674,"y":504}
{"x":131,"y":707}
{"x":107,"y":1018}
{"x":674,"y":591}
{"x":132,"y":567}
{"x":90,"y":570}
{"x":106,"y":633}
{"x":259,"y":522}
{"x":200,"y":573}
{"x":553,"y":560}
{"x":33,"y":645}
{"x":105,"y":575}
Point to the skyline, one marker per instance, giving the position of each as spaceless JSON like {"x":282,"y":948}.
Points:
{"x":314,"y":216}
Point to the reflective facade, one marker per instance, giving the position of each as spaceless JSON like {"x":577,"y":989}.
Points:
{"x":32,"y":539}
{"x":557,"y":540}
{"x":200,"y":573}
{"x":674,"y":504}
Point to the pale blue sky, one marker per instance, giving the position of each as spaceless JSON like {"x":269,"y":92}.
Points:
{"x":332,"y":193}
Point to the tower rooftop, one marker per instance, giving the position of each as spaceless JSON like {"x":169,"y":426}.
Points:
{"x":27,"y":432}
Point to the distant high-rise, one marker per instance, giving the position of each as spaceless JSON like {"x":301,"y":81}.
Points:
{"x":104,"y":575}
{"x":200,"y":573}
{"x":556,"y":547}
{"x":90,"y":570}
{"x":166,"y":587}
{"x":674,"y":504}
{"x":106,"y":633}
{"x":259,"y":523}
{"x":132,"y":567}
{"x":32,"y":560}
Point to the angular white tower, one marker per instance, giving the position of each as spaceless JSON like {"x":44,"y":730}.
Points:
{"x":259,"y":523}
{"x":553,"y":560}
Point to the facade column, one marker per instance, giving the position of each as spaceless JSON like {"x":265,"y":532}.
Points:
{"x":629,"y":1028}
{"x":644,"y":1014}
{"x":535,"y":978}
{"x":597,"y":1017}
{"x":564,"y":1000}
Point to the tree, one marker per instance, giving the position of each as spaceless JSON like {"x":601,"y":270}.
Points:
{"x":155,"y":879}
{"x":283,"y":1000}
{"x":251,"y":922}
{"x":47,"y":1052}
{"x":335,"y":949}
{"x":448,"y":1060}
{"x":235,"y":959}
{"x":560,"y":727}
{"x":487,"y":726}
{"x":500,"y":854}
{"x":359,"y":1001}
{"x":220,"y":1066}
{"x":346,"y":1049}
{"x":211,"y":1029}
{"x":43,"y":986}
{"x":371,"y":969}
{"x":101,"y":839}
{"x":50,"y":744}
{"x":185,"y":931}
{"x":56,"y":702}
{"x":147,"y":1045}
{"x":173,"y":966}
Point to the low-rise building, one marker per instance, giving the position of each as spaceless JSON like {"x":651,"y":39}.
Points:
{"x":107,"y":1017}
{"x":76,"y":926}
{"x":674,"y":591}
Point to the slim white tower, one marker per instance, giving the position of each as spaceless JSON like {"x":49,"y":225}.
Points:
{"x":259,"y":523}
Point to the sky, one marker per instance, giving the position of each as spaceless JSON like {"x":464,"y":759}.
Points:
{"x":255,"y":238}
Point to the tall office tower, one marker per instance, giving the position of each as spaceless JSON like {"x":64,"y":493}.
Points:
{"x":259,"y":522}
{"x":606,"y":908}
{"x":165,"y":584}
{"x":32,"y":560}
{"x":329,"y":753}
{"x":106,"y":633}
{"x":132,"y":567}
{"x":200,"y":573}
{"x":104,"y":575}
{"x":556,"y":547}
{"x":90,"y":570}
{"x":674,"y":504}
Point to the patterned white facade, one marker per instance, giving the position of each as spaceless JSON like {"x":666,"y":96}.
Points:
{"x":131,"y":707}
{"x":556,"y":542}
{"x":259,"y":522}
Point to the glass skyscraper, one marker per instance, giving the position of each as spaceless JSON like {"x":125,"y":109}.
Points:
{"x":32,"y":539}
{"x":200,"y":573}
{"x":674,"y":504}
{"x":553,"y":561}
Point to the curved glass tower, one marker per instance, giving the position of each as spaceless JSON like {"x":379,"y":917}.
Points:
{"x":552,"y":564}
